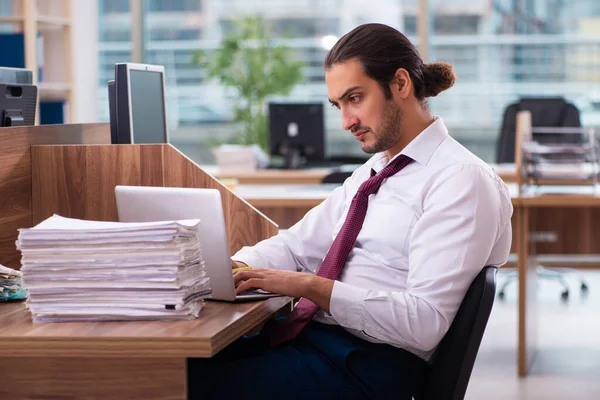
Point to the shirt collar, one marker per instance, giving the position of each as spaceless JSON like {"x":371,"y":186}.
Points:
{"x":420,"y":149}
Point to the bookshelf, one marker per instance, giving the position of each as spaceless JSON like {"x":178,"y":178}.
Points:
{"x":52,"y":20}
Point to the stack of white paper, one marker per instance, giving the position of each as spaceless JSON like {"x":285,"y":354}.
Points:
{"x":76,"y":270}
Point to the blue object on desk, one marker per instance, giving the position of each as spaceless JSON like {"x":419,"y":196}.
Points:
{"x":21,"y":294}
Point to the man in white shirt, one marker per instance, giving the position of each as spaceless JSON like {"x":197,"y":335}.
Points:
{"x":429,"y":228}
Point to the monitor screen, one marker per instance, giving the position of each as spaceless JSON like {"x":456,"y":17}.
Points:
{"x":147,"y":106}
{"x":297,"y":130}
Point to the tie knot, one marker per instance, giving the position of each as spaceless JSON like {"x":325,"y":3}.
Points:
{"x":372,"y":184}
{"x":396,"y":165}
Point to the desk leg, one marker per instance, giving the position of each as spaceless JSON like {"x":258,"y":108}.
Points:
{"x":528,"y":281}
{"x":94,"y":378}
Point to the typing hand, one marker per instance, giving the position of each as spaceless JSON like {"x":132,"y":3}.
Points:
{"x":288,"y":283}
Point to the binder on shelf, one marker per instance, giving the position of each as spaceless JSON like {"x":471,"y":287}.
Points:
{"x":52,"y":112}
{"x":13,"y":54}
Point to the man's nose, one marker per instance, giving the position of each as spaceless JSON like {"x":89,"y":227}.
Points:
{"x":348,"y":121}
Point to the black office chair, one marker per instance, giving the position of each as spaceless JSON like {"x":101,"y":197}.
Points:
{"x":545,"y":112}
{"x":454,"y":359}
{"x":336,"y":177}
{"x":349,"y":159}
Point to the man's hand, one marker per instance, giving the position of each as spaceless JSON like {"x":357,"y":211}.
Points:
{"x":288,"y":283}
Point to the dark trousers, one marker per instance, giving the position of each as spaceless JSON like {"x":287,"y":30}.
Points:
{"x":323,"y":362}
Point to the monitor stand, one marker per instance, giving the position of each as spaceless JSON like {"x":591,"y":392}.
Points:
{"x":13,"y":118}
{"x":292,"y":158}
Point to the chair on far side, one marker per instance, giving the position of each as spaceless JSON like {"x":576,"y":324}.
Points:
{"x":554,"y":112}
{"x":336,"y":177}
{"x":454,"y":358}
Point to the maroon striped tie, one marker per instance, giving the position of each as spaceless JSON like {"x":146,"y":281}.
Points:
{"x":338,"y":252}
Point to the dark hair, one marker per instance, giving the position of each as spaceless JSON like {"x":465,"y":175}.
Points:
{"x":381,"y":50}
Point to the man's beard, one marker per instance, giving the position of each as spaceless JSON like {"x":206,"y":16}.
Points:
{"x":390,"y":131}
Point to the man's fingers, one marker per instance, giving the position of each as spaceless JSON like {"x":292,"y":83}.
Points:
{"x":253,"y":283}
{"x":239,"y":276}
{"x":242,"y":287}
{"x":247,"y":274}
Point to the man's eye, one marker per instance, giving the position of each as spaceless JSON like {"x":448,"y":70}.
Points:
{"x":354,"y":99}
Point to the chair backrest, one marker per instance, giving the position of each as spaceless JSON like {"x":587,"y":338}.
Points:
{"x":336,"y":177}
{"x":545,"y":112}
{"x":454,"y":358}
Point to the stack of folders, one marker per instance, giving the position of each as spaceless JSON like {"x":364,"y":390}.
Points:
{"x":76,"y":270}
{"x":10,"y":285}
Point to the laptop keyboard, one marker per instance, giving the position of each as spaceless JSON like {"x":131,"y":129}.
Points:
{"x":255,"y":292}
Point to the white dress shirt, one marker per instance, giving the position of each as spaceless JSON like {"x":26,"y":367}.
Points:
{"x":428,"y":232}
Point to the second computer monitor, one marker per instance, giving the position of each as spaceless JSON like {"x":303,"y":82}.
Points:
{"x":18,"y":97}
{"x":140,"y":109}
{"x":297,"y":132}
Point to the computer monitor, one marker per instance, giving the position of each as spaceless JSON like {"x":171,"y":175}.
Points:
{"x":297,"y":132}
{"x":137,"y":102}
{"x":18,"y":97}
{"x":16,"y":75}
{"x":112,"y":110}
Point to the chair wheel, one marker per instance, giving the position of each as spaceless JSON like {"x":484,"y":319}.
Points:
{"x":565,"y":295}
{"x":584,"y":287}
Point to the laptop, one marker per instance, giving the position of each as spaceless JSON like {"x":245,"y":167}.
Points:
{"x":146,"y":203}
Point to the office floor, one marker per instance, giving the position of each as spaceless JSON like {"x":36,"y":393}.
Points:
{"x":567,"y":365}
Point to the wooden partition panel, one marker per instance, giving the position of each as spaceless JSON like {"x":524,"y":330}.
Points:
{"x":15,"y":174}
{"x":79,"y":182}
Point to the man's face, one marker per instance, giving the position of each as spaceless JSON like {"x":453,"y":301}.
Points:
{"x":373,"y":120}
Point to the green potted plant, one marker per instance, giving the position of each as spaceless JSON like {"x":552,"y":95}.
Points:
{"x":249,"y":62}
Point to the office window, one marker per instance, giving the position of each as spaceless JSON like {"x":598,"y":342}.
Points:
{"x":501,"y":50}
{"x":6,"y":7}
{"x":173,"y":5}
{"x":113,"y":6}
{"x":200,"y":110}
{"x":410,"y":25}
{"x":174,"y":34}
{"x":303,"y":27}
{"x":116,"y":35}
{"x":457,"y":24}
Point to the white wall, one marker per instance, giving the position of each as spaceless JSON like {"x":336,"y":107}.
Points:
{"x":84,"y":53}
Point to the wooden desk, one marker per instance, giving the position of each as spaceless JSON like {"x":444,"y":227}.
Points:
{"x":311,"y":176}
{"x":75,"y":177}
{"x":308,"y":176}
{"x":286,"y":209}
{"x":526,"y":212}
{"x":572,"y":227}
{"x":284,"y":204}
{"x":116,"y":360}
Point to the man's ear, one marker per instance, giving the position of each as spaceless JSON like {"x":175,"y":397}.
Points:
{"x":402,"y":83}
